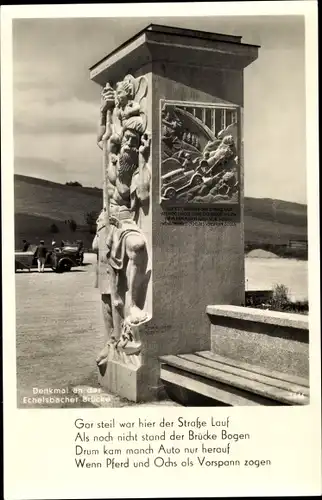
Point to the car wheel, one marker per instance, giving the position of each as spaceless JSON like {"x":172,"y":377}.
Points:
{"x":170,"y":193}
{"x":197,"y":180}
{"x":64,"y":267}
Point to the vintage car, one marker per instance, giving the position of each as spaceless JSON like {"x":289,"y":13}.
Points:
{"x":178,"y":181}
{"x":74,"y":249}
{"x":59,"y":259}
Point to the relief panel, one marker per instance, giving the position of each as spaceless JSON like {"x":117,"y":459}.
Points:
{"x":199,"y":161}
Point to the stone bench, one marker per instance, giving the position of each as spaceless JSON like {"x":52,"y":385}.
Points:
{"x":257,"y":358}
{"x":231,"y":383}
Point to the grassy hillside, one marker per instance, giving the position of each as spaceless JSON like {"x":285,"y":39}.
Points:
{"x":284,"y":212}
{"x":274,"y":222}
{"x":57,"y":201}
{"x":40,"y":203}
{"x":260,"y":230}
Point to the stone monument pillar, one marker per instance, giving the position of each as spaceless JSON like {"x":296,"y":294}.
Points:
{"x":170,"y":235}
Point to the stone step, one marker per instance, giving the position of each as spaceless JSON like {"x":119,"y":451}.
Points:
{"x":232,"y":382}
{"x":179,"y":383}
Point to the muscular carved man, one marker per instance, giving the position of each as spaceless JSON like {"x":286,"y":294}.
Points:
{"x":124,"y":249}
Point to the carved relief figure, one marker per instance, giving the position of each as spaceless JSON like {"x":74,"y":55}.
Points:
{"x":197,"y":165}
{"x":120,"y":242}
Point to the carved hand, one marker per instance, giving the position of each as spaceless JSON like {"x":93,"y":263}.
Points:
{"x":145,"y":147}
{"x":107,"y":98}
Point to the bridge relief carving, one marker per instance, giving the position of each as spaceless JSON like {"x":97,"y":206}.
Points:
{"x":199,"y":154}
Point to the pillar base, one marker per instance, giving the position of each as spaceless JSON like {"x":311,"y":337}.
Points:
{"x":126,"y":376}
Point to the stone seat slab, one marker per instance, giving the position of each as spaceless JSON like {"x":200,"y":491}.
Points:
{"x":230,"y":375}
{"x":251,"y":375}
{"x":272,"y":374}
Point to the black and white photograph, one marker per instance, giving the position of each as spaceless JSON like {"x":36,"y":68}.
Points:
{"x":162,"y":233}
{"x":141,"y":197}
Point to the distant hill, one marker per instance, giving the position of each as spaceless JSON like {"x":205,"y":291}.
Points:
{"x":274,"y":221}
{"x":40,"y":203}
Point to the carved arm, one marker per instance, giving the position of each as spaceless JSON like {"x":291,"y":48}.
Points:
{"x":132,"y":109}
{"x":101,"y":128}
{"x":143,"y":188}
{"x":107,"y":105}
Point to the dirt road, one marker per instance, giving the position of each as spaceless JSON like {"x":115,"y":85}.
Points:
{"x":58,"y":330}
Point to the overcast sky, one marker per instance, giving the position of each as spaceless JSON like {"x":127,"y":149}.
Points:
{"x":56,"y":106}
